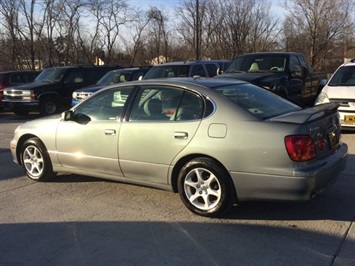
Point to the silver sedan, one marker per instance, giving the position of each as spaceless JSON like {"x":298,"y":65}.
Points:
{"x":215,"y":142}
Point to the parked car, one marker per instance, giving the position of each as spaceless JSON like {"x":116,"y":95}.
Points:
{"x":341,"y":90}
{"x":285,"y":73}
{"x":52,"y":89}
{"x":201,"y":68}
{"x":112,"y":77}
{"x":15,"y":78}
{"x":215,"y":142}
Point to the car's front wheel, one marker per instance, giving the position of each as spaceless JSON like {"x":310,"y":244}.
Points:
{"x":206,"y":188}
{"x":35,"y":160}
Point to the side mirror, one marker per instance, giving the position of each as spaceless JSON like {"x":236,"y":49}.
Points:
{"x":296,"y":71}
{"x":68,"y":115}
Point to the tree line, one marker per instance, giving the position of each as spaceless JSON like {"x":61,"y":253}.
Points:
{"x":45,"y":33}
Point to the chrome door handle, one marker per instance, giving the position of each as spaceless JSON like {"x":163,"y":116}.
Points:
{"x":110,"y":132}
{"x":180,"y":135}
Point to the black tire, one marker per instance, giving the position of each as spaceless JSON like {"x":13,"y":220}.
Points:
{"x":48,"y":106}
{"x":35,"y":160}
{"x":206,"y":188}
{"x":20,"y":112}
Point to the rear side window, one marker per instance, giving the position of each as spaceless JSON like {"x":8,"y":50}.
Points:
{"x":197,"y":70}
{"x":158,"y":72}
{"x":259,"y":102}
{"x":17,"y":78}
{"x":138,"y":75}
{"x":211,"y":69}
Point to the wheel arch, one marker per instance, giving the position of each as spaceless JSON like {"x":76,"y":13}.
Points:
{"x":21,"y":141}
{"x":182,"y":161}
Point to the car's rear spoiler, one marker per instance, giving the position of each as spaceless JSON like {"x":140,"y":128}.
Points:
{"x":308,"y":114}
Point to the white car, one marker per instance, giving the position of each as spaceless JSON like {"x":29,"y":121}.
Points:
{"x":341,"y":89}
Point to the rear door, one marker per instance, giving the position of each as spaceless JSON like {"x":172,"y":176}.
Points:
{"x":150,"y":139}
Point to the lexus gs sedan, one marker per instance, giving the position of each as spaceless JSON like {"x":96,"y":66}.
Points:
{"x":215,"y":142}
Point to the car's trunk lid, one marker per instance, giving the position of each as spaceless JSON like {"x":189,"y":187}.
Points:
{"x":321,"y":123}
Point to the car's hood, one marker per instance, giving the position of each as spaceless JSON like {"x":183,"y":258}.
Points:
{"x":259,"y":78}
{"x":32,"y":85}
{"x":339,"y":92}
{"x":92,"y":88}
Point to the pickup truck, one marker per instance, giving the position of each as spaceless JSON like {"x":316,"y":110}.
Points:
{"x":285,"y":73}
{"x":52,"y":89}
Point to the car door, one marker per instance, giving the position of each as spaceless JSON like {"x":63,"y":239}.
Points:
{"x":156,"y":131}
{"x":89,"y":141}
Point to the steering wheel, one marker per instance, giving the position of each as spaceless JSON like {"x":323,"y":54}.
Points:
{"x":274,"y":68}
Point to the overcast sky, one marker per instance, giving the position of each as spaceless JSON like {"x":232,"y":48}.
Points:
{"x":170,"y":4}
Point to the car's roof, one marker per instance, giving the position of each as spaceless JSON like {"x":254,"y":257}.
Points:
{"x":130,"y":69}
{"x":188,"y":62}
{"x":20,"y":71}
{"x":271,"y":53}
{"x":350,"y":63}
{"x":195,"y":82}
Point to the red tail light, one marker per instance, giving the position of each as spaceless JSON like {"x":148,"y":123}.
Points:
{"x":300,"y":148}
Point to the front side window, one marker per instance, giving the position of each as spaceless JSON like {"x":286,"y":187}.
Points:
{"x":107,"y":105}
{"x":74,"y":77}
{"x":295,"y":67}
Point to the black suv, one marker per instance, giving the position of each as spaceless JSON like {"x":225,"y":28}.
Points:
{"x":15,"y":78}
{"x":112,"y":77}
{"x":52,"y":89}
{"x":201,"y":68}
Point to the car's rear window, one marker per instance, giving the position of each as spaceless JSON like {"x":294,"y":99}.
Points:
{"x":257,"y":101}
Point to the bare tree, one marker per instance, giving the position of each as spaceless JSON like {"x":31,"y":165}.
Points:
{"x":158,"y":35}
{"x":111,"y":16}
{"x":138,"y":33}
{"x":318,"y":23}
{"x":227,"y":27}
{"x":9,"y":12}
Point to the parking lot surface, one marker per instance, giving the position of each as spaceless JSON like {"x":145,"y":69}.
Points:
{"x":79,"y":220}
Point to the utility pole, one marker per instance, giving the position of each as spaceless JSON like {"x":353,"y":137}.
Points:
{"x":197,"y":30}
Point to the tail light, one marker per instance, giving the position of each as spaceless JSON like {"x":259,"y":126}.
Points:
{"x":300,"y":148}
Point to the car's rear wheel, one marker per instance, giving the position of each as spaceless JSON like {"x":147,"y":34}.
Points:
{"x":206,"y":188}
{"x":35,"y":160}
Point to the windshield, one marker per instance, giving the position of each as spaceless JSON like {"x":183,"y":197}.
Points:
{"x":51,"y":75}
{"x":345,"y":76}
{"x":114,"y":77}
{"x":158,"y":72}
{"x":258,"y":63}
{"x":259,"y":102}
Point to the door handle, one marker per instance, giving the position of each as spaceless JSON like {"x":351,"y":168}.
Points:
{"x":180,"y":135}
{"x":110,"y":132}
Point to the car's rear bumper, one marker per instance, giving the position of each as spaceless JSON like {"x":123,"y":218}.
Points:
{"x":303,"y":184}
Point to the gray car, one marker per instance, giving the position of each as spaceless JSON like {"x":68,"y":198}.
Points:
{"x":215,"y":142}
